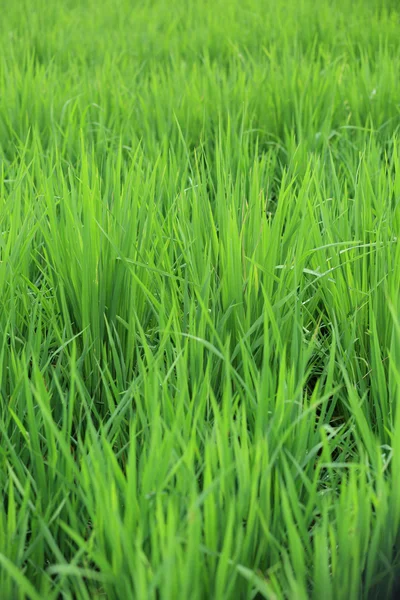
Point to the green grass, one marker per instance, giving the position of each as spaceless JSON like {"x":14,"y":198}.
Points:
{"x":199,"y":299}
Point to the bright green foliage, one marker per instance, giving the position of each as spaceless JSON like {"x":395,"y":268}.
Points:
{"x":200,"y":296}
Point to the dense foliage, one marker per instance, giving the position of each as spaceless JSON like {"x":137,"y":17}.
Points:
{"x":199,"y":293}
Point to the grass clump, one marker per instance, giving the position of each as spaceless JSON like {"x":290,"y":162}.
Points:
{"x":199,"y":287}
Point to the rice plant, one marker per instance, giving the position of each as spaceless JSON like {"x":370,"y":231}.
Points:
{"x":200,"y":300}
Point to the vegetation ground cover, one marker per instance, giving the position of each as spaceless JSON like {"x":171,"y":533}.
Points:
{"x":199,"y":291}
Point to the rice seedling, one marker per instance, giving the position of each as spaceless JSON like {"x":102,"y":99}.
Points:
{"x":199,"y":288}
